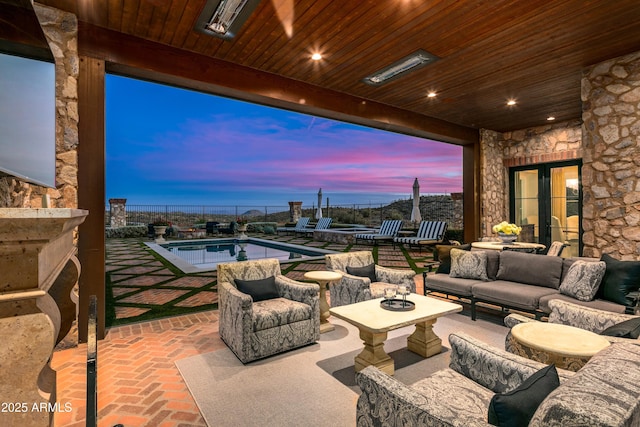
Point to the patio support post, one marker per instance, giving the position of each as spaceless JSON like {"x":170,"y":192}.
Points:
{"x":471,"y":190}
{"x":91,"y":191}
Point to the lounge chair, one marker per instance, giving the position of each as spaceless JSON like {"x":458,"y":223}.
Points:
{"x":301,"y":225}
{"x":388,"y":231}
{"x":322,"y":224}
{"x":430,"y":233}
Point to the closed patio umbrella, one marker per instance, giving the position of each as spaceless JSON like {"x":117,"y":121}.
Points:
{"x":415,"y":212}
{"x":319,"y":211}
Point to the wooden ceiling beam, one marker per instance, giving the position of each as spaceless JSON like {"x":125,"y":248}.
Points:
{"x":153,"y":61}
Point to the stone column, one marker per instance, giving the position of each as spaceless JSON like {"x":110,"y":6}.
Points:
{"x":118,"y":212}
{"x":295,"y":211}
{"x":494,"y":184}
{"x":610,"y":177}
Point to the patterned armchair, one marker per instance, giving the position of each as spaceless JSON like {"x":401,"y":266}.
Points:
{"x":460,"y":394}
{"x":257,"y":329}
{"x":351,"y":289}
{"x":578,"y":316}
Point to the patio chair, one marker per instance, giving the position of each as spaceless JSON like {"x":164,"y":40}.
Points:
{"x":430,"y":233}
{"x":302,"y":224}
{"x":322,"y":224}
{"x":271,"y":314}
{"x":354,"y":286}
{"x":556,"y":248}
{"x":388,"y":231}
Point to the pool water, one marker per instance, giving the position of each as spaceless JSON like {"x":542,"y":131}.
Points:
{"x":205,"y":255}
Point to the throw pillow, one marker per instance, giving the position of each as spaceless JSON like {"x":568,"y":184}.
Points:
{"x":583,"y":279}
{"x":443,"y":254}
{"x":620,"y":278}
{"x":627,"y":329}
{"x":366,"y":271}
{"x":259,"y":290}
{"x":468,"y":265}
{"x":516,"y":407}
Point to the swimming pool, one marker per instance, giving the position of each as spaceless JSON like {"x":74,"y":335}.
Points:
{"x":205,"y":255}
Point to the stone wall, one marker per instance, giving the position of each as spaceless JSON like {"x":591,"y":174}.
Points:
{"x":494,"y":184}
{"x":61,"y":30}
{"x":542,"y":144}
{"x":611,"y":164}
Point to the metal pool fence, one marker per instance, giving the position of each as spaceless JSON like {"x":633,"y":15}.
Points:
{"x":445,"y":207}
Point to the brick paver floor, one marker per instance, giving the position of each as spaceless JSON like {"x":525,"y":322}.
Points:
{"x":138,"y":383}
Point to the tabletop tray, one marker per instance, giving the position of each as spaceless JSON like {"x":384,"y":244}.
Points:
{"x":396,"y":305}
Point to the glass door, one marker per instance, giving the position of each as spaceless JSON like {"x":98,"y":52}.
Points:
{"x":546,"y":203}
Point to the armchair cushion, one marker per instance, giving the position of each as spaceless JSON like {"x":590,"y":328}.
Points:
{"x":516,"y":407}
{"x":260,"y":290}
{"x":627,"y":329}
{"x":272,"y":313}
{"x":582,"y":280}
{"x":366,"y":271}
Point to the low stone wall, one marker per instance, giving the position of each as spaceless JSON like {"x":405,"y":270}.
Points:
{"x":346,"y":237}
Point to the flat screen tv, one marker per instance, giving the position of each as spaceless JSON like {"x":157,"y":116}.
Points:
{"x":27,"y":119}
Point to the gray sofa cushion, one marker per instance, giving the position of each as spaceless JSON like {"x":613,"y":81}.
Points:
{"x":511,"y":293}
{"x":530,"y":269}
{"x":493,"y":264}
{"x":610,"y":382}
{"x":596,"y":303}
{"x":452,"y":285}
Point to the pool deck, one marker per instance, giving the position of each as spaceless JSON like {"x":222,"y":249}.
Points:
{"x":138,"y":382}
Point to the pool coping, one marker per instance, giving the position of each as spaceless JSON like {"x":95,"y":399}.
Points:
{"x":188,"y":268}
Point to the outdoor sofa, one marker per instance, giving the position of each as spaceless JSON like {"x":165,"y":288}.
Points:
{"x":603,"y":393}
{"x":527,"y":282}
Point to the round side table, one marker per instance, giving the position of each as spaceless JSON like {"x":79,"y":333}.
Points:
{"x":567,"y":347}
{"x":323,"y":278}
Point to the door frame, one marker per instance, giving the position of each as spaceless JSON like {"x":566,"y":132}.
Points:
{"x":544,"y":197}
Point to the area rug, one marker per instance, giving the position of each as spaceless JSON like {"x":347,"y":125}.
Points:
{"x":314,"y":385}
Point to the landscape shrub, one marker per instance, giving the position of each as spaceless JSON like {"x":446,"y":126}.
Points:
{"x":125,"y":232}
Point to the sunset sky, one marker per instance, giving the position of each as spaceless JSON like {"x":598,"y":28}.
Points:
{"x":172,"y":146}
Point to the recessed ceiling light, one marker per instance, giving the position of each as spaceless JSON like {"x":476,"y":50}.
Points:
{"x":432,"y":94}
{"x":511,"y":102}
{"x":551,"y":118}
{"x":418,"y":59}
{"x":316,"y":56}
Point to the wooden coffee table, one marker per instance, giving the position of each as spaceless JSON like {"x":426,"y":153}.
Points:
{"x":565,"y":346}
{"x":374,"y":322}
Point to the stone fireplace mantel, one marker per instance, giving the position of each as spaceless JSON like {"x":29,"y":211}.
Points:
{"x":39,"y":270}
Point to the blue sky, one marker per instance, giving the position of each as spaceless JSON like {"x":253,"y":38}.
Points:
{"x":173,"y":146}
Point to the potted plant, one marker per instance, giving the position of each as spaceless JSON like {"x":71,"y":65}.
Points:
{"x":159,"y":228}
{"x":242,"y":227}
{"x":507,"y":232}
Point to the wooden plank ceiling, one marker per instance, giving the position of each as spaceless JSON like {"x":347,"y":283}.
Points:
{"x":532,"y":51}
